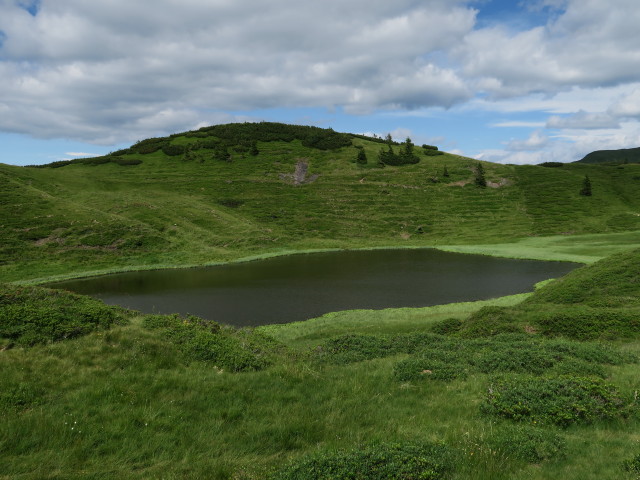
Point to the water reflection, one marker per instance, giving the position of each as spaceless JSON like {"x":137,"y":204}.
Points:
{"x":299,"y":287}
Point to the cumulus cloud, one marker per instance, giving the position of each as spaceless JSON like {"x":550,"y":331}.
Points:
{"x":118,"y":71}
{"x":584,"y":120}
{"x":591,"y":44}
{"x":93,"y":70}
{"x":536,"y":141}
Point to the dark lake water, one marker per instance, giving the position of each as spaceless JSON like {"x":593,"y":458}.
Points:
{"x":299,"y":287}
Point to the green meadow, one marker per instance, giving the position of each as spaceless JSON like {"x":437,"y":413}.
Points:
{"x":541,"y":385}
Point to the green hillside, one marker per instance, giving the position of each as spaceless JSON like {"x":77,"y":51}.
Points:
{"x":229,"y":192}
{"x":621,"y":156}
{"x":535,"y":386}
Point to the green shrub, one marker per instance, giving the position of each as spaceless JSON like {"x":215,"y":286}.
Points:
{"x":35,"y":315}
{"x":173,"y":150}
{"x":126,"y":161}
{"x":207,"y":341}
{"x":355,"y":348}
{"x":489,"y":321}
{"x":447,"y":326}
{"x":561,"y":401}
{"x":428,"y":461}
{"x":587,"y":323}
{"x":527,"y":443}
{"x":231,"y":202}
{"x":520,"y":358}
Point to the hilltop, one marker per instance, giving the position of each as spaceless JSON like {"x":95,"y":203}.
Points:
{"x":621,"y":156}
{"x":245,"y":190}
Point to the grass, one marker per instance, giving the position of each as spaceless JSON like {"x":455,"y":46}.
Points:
{"x":355,"y":392}
{"x":172,"y":211}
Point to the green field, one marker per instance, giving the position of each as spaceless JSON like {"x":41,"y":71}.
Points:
{"x":541,"y":385}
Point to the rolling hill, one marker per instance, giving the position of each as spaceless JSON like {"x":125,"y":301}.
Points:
{"x":621,"y":156}
{"x":245,"y":190}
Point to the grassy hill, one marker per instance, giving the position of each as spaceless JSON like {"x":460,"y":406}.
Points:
{"x":174,"y":201}
{"x":621,"y":156}
{"x":533,"y":386}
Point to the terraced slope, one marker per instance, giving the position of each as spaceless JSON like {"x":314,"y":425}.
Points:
{"x":134,"y":210}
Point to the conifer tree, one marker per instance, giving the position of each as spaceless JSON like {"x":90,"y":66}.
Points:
{"x":361,"y":159}
{"x":480,"y":180}
{"x":586,"y":187}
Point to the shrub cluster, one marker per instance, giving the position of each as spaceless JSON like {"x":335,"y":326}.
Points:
{"x":91,"y":161}
{"x":208,"y":341}
{"x":35,"y":315}
{"x":440,"y":357}
{"x":248,"y":133}
{"x":561,"y":401}
{"x":425,"y":461}
{"x":173,"y":150}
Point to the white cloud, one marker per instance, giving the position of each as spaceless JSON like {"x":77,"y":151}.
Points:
{"x":584,"y":120}
{"x":536,"y":141}
{"x":97,"y":71}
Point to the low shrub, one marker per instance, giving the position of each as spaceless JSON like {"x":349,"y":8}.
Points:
{"x":126,"y":161}
{"x":586,"y":323}
{"x":231,"y":202}
{"x":425,"y":461}
{"x":561,"y":401}
{"x":519,"y":358}
{"x":173,"y":150}
{"x":35,"y":315}
{"x":355,"y":348}
{"x":489,"y":321}
{"x":208,"y":341}
{"x":447,"y":326}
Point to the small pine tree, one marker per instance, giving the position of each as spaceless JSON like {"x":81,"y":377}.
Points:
{"x":254,"y":149}
{"x":361,"y":159}
{"x":480,"y":180}
{"x":586,"y":187}
{"x":445,"y":172}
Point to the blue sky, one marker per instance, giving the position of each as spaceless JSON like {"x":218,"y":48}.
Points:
{"x":504,"y":81}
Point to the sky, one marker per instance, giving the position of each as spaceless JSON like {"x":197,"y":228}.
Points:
{"x":506,"y":81}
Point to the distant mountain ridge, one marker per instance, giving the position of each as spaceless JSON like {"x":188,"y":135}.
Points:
{"x":623,"y":155}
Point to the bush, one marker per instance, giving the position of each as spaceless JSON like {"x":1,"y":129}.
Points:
{"x":551,"y":164}
{"x":231,"y":202}
{"x":126,"y":161}
{"x":447,"y":326}
{"x":173,"y":150}
{"x":34,"y":315}
{"x":207,"y":341}
{"x":516,"y":358}
{"x":489,"y":321}
{"x":425,"y":461}
{"x":355,"y":348}
{"x":561,"y":401}
{"x":585,"y":323}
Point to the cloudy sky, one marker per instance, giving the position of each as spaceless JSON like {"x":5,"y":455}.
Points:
{"x":501,"y":80}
